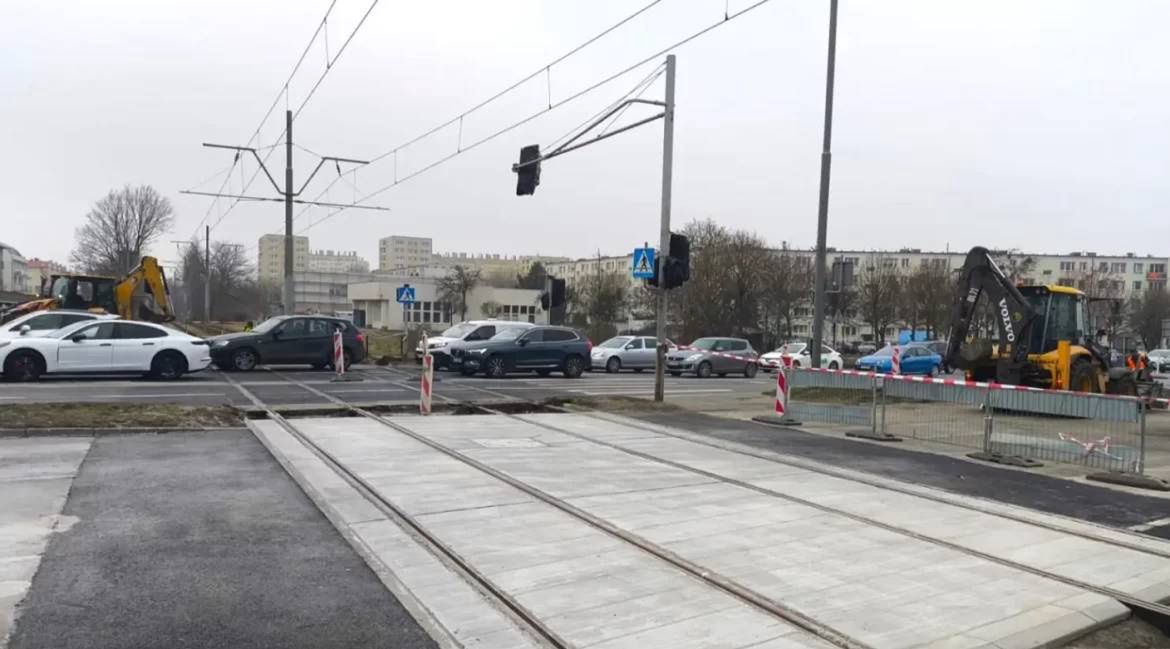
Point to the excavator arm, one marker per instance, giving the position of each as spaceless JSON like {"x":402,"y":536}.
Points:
{"x":156,"y":304}
{"x":1013,"y":315}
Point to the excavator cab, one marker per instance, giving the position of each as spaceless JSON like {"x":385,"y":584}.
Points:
{"x":83,"y":292}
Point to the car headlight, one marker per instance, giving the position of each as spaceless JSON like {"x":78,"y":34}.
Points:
{"x":597,"y":353}
{"x":436,"y":345}
{"x":694,"y":357}
{"x":220,"y":343}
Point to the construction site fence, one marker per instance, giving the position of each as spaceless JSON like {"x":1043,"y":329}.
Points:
{"x":1104,"y":432}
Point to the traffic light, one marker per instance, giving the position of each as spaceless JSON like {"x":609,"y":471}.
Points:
{"x":558,"y":293}
{"x":528,"y":170}
{"x":677,"y":266}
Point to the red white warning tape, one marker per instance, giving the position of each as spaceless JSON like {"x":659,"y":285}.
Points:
{"x":749,"y":359}
{"x":338,"y":353}
{"x":969,"y":384}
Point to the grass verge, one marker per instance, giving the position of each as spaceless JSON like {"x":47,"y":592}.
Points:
{"x":108,"y":415}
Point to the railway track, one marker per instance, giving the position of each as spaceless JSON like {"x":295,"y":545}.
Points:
{"x":1154,"y":612}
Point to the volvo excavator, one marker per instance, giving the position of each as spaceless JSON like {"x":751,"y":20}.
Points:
{"x":1043,"y":336}
{"x":142,"y":294}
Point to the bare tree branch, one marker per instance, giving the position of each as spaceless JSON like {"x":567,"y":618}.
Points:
{"x":119,"y":228}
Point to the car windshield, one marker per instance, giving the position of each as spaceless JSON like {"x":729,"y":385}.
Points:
{"x":794,"y":348}
{"x":1159,"y":352}
{"x":267,"y":325}
{"x":705,"y":343}
{"x":511,"y":333}
{"x":458,"y":331}
{"x":620,"y":341}
{"x":884,"y":352}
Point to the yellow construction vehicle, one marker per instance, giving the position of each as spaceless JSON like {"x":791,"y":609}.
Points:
{"x":142,"y":294}
{"x":1044,"y":336}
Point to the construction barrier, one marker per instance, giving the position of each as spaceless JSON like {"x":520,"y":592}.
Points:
{"x":1095,"y":430}
{"x":338,"y":353}
{"x":896,"y":361}
{"x":426,"y":380}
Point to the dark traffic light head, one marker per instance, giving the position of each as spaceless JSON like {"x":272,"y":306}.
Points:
{"x":528,"y":170}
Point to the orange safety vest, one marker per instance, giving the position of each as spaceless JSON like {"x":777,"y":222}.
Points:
{"x":1135,"y":362}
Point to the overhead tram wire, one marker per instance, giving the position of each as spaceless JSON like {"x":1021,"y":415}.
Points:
{"x":544,"y":69}
{"x":264,"y":120}
{"x":552,"y":106}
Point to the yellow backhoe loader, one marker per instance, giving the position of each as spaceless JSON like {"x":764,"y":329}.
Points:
{"x":1044,"y":338}
{"x":142,"y":294}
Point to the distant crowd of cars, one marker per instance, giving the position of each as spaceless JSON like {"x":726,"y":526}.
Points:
{"x":81,"y":342}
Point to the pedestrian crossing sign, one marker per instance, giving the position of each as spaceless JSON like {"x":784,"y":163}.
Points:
{"x":404,"y":294}
{"x":643,"y":263}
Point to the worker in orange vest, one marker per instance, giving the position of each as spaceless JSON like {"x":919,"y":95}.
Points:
{"x":1135,"y":360}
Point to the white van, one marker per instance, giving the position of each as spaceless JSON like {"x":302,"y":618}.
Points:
{"x":469,"y":331}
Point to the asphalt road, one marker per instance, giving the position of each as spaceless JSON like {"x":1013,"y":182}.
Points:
{"x":285,"y":385}
{"x":202,"y":540}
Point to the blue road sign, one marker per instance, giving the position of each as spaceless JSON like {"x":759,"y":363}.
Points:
{"x":643,"y":263}
{"x":404,"y":294}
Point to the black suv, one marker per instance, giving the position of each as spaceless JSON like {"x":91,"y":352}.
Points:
{"x":539,"y":349}
{"x":288,"y":340}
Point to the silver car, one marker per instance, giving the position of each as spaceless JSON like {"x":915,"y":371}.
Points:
{"x":707,"y":356}
{"x":626,"y":353}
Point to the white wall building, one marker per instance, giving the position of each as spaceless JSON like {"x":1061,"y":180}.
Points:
{"x":270,"y":256}
{"x":13,"y":270}
{"x":379,"y":300}
{"x":328,"y":261}
{"x":398,"y":252}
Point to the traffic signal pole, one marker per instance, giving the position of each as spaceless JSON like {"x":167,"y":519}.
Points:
{"x":288,"y":293}
{"x":664,"y":238}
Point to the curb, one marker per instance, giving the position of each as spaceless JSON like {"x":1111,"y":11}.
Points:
{"x":1130,"y":480}
{"x":1008,"y":460}
{"x":875,"y":437}
{"x":99,"y":432}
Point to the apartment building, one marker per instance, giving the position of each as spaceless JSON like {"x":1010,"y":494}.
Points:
{"x":40,"y":270}
{"x":270,"y":256}
{"x":13,"y":270}
{"x":400,"y":252}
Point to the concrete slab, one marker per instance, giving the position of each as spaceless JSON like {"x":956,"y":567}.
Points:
{"x":584,"y":584}
{"x":35,"y":477}
{"x":1097,"y":561}
{"x":784,"y":550}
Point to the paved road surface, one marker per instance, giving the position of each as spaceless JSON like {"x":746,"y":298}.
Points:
{"x":279,"y":386}
{"x":201,"y":540}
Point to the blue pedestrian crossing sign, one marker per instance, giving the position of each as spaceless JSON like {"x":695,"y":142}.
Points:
{"x":643,"y":263}
{"x":405,"y":294}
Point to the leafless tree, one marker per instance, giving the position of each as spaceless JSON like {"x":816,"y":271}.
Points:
{"x":924,"y":298}
{"x":597,"y":302}
{"x":454,"y":287}
{"x":235,"y":296}
{"x":1147,"y":312}
{"x":877,"y":294}
{"x":119,"y":228}
{"x":1015,"y":265}
{"x":786,"y":285}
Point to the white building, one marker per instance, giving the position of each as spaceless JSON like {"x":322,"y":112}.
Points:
{"x":430,"y":311}
{"x":270,"y":260}
{"x":398,"y":252}
{"x":40,"y":270}
{"x":328,"y":261}
{"x":13,"y":270}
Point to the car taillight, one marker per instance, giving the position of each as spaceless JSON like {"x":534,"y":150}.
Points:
{"x":361,"y":338}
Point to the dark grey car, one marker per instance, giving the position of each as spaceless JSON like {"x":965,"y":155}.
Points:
{"x":707,"y":356}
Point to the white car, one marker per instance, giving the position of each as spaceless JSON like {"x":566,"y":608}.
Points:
{"x":464,"y":332}
{"x":39,"y":323}
{"x":799,"y":352}
{"x":105,"y":347}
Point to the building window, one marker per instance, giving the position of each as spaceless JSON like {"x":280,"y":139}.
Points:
{"x":1157,"y":269}
{"x":1067,"y":265}
{"x":1117,"y":267}
{"x":1159,"y":285}
{"x":1137,"y":268}
{"x":905,"y":262}
{"x":1064,"y":281}
{"x":1103,"y":267}
{"x":1137,"y":286}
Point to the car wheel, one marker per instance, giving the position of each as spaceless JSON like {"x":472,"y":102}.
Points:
{"x":722,"y":375}
{"x":795,"y":364}
{"x":703,"y":371}
{"x":168,"y":366}
{"x":244,"y":360}
{"x":320,"y":366}
{"x":933,"y":371}
{"x":676,"y":373}
{"x":543,"y":372}
{"x":495,"y":367}
{"x":637,"y":370}
{"x":24,"y":366}
{"x":613,"y":365}
{"x":750,"y":370}
{"x":573,"y":367}
{"x":834,"y":365}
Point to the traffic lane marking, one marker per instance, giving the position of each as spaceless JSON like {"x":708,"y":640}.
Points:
{"x":1149,"y":525}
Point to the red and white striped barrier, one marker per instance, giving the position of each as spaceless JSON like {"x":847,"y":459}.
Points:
{"x":970,"y":384}
{"x":338,"y":353}
{"x":781,"y":406}
{"x":896,"y":361}
{"x":426,"y":380}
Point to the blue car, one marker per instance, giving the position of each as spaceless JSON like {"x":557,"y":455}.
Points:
{"x":916,"y":359}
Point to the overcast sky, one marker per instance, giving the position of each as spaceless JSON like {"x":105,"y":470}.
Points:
{"x":1040,"y":125}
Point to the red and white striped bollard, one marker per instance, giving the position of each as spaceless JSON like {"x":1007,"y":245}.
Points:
{"x":426,"y":380}
{"x":896,"y":361}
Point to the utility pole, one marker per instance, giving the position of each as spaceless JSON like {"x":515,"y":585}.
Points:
{"x":823,"y":206}
{"x":664,"y":229}
{"x":207,"y":273}
{"x":288,"y":196}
